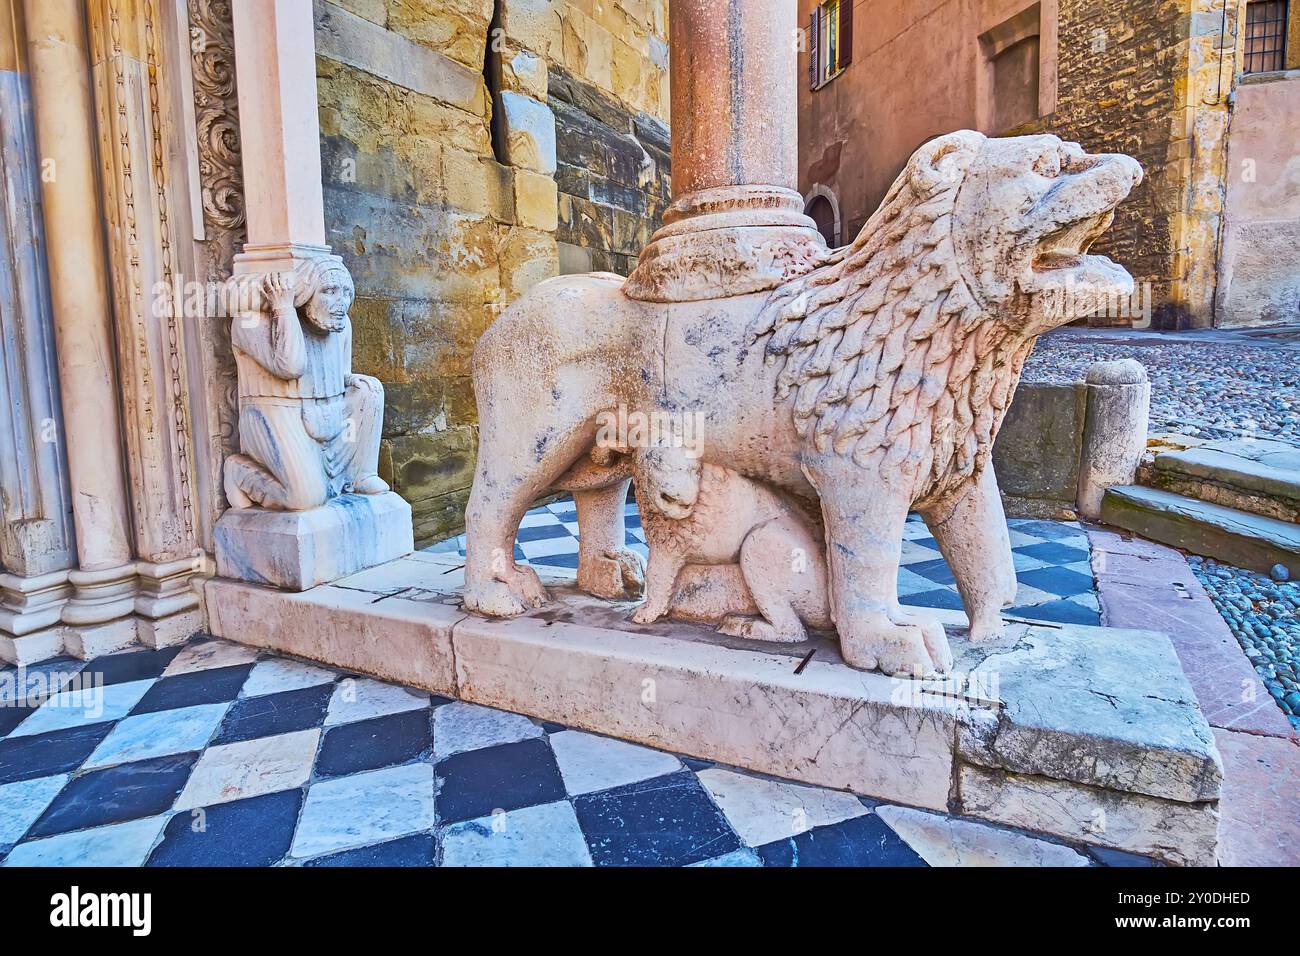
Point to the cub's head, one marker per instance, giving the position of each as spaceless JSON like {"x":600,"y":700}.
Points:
{"x":1027,"y":211}
{"x":667,"y":479}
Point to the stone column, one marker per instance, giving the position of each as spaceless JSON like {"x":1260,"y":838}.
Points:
{"x":279,"y":129}
{"x":36,"y":540}
{"x":103,"y":585}
{"x":733,"y":66}
{"x":1114,"y":430}
{"x":307,"y":504}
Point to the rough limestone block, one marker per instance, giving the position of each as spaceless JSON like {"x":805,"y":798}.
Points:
{"x":1180,"y":833}
{"x":297,"y":550}
{"x":536,"y":200}
{"x":1098,"y":706}
{"x":529,"y":128}
{"x":1115,"y":430}
{"x":1258,"y":467}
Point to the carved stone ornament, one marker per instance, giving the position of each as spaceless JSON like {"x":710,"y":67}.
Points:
{"x":866,"y":387}
{"x":309,"y":427}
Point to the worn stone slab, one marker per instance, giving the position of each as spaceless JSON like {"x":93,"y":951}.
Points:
{"x":297,"y":550}
{"x":1181,"y":833}
{"x":392,"y":638}
{"x":1264,"y":467}
{"x":1142,"y":584}
{"x":1261,"y":800}
{"x":831,"y":725}
{"x":1098,"y":706}
{"x":1235,"y":537}
{"x":1036,"y":455}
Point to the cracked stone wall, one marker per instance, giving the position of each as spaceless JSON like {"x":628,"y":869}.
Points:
{"x":451,"y":178}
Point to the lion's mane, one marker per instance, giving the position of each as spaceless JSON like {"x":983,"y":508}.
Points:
{"x":886,"y":348}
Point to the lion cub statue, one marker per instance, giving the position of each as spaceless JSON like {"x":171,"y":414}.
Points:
{"x":703,"y":524}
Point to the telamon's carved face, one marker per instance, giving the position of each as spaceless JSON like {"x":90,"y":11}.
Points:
{"x":327,"y":309}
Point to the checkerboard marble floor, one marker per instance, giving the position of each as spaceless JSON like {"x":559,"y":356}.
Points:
{"x":1051,"y":557}
{"x":218,"y":754}
{"x":215,"y":754}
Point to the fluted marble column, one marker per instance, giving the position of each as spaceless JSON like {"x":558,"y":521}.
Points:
{"x":104,"y":586}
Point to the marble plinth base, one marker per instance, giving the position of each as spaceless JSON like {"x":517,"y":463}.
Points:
{"x":297,"y":550}
{"x":1088,"y":734}
{"x":26,"y":649}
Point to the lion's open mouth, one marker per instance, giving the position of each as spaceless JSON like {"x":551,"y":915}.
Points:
{"x":1067,"y":248}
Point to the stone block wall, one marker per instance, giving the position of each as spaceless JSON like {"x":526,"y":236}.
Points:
{"x":1154,"y":80}
{"x":448,"y":168}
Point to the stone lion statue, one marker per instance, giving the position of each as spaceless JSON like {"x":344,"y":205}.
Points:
{"x":870,"y":385}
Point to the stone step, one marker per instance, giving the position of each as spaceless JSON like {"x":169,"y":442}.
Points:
{"x":1258,"y":476}
{"x":1235,"y":537}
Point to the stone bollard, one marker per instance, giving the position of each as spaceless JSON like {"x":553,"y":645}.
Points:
{"x":1114,"y":431}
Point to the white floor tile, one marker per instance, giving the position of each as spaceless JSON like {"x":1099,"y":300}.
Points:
{"x":360,"y":698}
{"x":209,"y":655}
{"x":122,"y":844}
{"x":589,"y":763}
{"x":23,"y":802}
{"x":80,"y":707}
{"x":365,"y":808}
{"x":159,"y":734}
{"x":762,"y":811}
{"x":949,"y":841}
{"x":280,"y":674}
{"x":458,"y":727}
{"x":909,"y":582}
{"x":547,"y":835}
{"x":250,"y":767}
{"x":546,"y":547}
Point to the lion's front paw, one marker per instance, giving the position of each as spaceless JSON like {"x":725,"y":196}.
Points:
{"x":648,"y":614}
{"x":913,"y":647}
{"x":757,"y":629}
{"x":987,"y":627}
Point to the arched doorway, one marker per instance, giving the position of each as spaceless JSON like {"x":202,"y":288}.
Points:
{"x":823,"y":208}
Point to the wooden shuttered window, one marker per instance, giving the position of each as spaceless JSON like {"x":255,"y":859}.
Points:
{"x":815,"y":47}
{"x":846,"y":35}
{"x":830,"y":41}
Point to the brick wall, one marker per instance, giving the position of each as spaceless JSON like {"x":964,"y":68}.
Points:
{"x":439,"y":129}
{"x":1117,"y":94}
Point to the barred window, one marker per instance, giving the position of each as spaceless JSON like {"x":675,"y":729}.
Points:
{"x":1266,"y":35}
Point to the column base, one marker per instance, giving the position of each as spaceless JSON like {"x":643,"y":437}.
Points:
{"x":727,"y":241}
{"x":26,"y":649}
{"x":297,"y":550}
{"x":96,"y":640}
{"x":171,"y":630}
{"x":31,"y":604}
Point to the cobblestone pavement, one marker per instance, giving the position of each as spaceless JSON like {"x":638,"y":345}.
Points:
{"x":1207,"y":385}
{"x":1264,"y":615}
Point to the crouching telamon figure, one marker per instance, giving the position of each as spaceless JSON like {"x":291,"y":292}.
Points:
{"x":309,"y":427}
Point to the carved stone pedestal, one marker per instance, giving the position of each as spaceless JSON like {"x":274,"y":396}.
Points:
{"x":297,"y":550}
